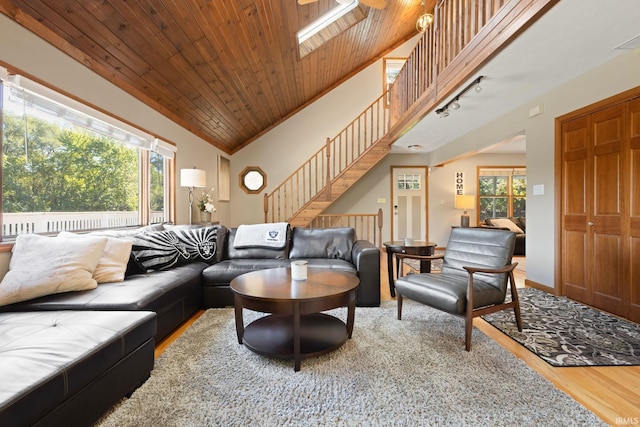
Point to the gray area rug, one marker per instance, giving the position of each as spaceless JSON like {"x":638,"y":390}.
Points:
{"x":566,"y":333}
{"x":413,"y":372}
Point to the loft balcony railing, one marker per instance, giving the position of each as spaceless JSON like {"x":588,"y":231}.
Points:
{"x":464,"y":35}
{"x":456,"y":24}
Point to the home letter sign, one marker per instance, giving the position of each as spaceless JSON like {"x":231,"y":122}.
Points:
{"x":459,"y":183}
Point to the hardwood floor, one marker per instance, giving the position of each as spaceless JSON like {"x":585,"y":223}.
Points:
{"x":612,"y":393}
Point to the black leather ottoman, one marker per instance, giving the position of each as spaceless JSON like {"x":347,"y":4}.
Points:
{"x":69,"y":367}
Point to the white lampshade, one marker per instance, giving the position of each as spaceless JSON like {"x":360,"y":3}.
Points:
{"x":193,"y":178}
{"x":465,"y":202}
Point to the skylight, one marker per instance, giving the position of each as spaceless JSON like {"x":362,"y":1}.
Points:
{"x":325,"y":20}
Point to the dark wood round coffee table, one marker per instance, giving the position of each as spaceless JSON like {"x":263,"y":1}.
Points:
{"x":296,"y":329}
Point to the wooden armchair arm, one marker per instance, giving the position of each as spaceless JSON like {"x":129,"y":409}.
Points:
{"x":505,"y":269}
{"x":508,"y":269}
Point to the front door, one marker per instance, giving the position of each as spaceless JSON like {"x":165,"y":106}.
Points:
{"x":409,"y":197}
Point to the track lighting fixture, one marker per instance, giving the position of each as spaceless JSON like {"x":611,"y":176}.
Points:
{"x":454,"y":104}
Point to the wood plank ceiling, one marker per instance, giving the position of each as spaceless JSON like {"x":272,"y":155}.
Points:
{"x":227,"y":70}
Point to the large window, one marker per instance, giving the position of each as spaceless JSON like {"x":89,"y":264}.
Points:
{"x":68,"y":167}
{"x":502,"y":192}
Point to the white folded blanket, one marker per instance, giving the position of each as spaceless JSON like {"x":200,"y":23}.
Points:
{"x":271,"y":235}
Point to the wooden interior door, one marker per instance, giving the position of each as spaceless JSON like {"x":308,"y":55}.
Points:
{"x":634,"y":210}
{"x":600,"y":205}
{"x":575,"y":185}
{"x":607,"y":205}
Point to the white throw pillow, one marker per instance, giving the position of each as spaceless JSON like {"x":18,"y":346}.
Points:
{"x":113,"y":261}
{"x":43,"y":265}
{"x":506,"y":223}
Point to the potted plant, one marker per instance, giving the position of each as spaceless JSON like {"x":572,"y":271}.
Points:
{"x":206,"y":207}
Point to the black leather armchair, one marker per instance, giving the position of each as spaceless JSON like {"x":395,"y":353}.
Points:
{"x":473,"y":280}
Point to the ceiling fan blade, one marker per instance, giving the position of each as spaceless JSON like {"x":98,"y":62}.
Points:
{"x":306,"y":1}
{"x":375,"y":4}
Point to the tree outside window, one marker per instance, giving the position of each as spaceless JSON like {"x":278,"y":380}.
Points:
{"x":63,"y":169}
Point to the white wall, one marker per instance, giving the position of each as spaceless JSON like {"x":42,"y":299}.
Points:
{"x":283,"y":149}
{"x":620,"y":74}
{"x":24,"y":51}
{"x":442,"y":212}
{"x":616,"y":76}
{"x":280,"y":151}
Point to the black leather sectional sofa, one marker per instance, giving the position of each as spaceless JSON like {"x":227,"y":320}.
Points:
{"x":98,"y":344}
{"x":335,"y":248}
{"x":517,"y":224}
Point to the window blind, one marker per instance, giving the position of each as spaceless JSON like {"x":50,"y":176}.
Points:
{"x":43,"y":101}
{"x":496,"y":171}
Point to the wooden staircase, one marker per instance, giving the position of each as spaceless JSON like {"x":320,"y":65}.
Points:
{"x":341,"y":184}
{"x":448,"y":54}
{"x":332,"y":170}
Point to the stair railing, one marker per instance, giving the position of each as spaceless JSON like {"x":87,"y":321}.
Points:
{"x":313,"y":178}
{"x":367,"y":226}
{"x":463,"y":35}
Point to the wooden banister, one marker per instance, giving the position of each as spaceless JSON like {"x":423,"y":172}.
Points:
{"x":464,"y":35}
{"x":367,"y":226}
{"x":315,"y":175}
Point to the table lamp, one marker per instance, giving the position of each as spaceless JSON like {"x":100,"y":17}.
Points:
{"x":192,"y":178}
{"x":465,"y":202}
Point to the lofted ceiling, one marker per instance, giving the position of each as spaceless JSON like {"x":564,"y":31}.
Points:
{"x":227,"y":70}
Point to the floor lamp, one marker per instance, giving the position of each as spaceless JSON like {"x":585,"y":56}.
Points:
{"x":465,"y":202}
{"x":192,"y":178}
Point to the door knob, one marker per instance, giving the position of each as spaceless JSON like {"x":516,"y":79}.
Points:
{"x":590,"y":223}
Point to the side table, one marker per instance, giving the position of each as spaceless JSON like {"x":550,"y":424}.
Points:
{"x":416,"y":247}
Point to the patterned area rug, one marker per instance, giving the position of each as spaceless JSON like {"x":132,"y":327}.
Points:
{"x":563,"y":332}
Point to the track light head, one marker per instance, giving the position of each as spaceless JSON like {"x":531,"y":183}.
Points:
{"x":454,"y":103}
{"x":443,"y":112}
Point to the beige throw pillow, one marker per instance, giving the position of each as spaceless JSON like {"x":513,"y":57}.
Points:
{"x":506,"y":223}
{"x":44,"y":265}
{"x":113,"y":261}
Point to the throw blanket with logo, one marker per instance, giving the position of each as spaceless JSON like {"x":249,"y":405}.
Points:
{"x":270,"y":235}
